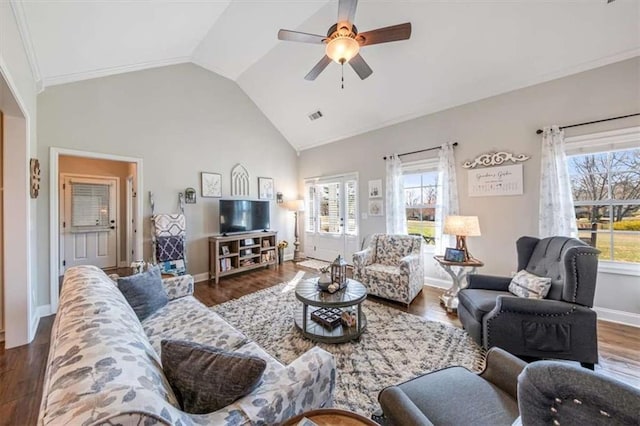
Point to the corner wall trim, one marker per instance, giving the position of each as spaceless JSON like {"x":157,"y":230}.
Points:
{"x":43,"y":311}
{"x":620,"y":317}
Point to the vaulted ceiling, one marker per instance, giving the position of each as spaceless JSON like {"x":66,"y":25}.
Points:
{"x":459,"y":51}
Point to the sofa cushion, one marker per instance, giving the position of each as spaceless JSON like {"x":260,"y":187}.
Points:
{"x":530,"y":286}
{"x":144,"y":292}
{"x":188,"y":319}
{"x":389,"y":273}
{"x":440,"y":396}
{"x":479,"y":302}
{"x":206,"y":379}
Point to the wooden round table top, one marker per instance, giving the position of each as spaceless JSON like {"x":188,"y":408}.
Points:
{"x":333,"y":417}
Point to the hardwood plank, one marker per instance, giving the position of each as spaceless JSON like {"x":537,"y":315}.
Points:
{"x":22,"y":369}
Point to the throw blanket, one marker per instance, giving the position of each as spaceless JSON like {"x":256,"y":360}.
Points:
{"x":169,"y":248}
{"x":169,"y":225}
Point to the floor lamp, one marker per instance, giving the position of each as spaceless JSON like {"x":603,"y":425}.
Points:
{"x":296,"y":206}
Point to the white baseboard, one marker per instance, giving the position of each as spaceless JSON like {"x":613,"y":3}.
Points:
{"x":43,"y":311}
{"x":287,"y":257}
{"x":437,"y":282}
{"x":198,"y":278}
{"x":1,"y":336}
{"x":620,"y":317}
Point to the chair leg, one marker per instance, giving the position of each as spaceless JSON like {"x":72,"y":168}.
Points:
{"x":588,"y":365}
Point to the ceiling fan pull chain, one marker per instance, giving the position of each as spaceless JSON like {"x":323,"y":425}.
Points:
{"x":342,"y":70}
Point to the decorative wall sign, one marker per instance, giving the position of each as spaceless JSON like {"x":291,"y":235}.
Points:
{"x":494,"y":159}
{"x":375,"y":208}
{"x":375,"y":188}
{"x":34,"y":177}
{"x":265,"y":188}
{"x":239,"y":181}
{"x":495,"y":181}
{"x":211,"y":184}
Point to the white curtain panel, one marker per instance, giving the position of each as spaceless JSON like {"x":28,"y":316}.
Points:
{"x":557,"y":215}
{"x":447,"y":197}
{"x":396,"y":215}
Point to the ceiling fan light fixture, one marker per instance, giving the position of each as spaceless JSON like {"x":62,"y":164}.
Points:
{"x":342,"y":48}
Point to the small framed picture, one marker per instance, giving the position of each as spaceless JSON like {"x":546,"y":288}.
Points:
{"x":375,"y":208}
{"x":248,"y":241}
{"x":265,"y":188}
{"x":225,"y":250}
{"x":211,"y":184}
{"x":375,"y":188}
{"x":454,"y":255}
{"x":266,"y":244}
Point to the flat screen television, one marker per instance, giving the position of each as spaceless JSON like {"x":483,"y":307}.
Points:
{"x":243,"y":216}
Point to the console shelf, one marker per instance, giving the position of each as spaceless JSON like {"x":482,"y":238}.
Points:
{"x":231,"y":254}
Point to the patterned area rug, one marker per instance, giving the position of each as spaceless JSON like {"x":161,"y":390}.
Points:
{"x":395,"y":347}
{"x":313,"y":264}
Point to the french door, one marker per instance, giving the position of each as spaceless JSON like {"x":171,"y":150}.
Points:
{"x":331,"y":220}
{"x":88,"y":229}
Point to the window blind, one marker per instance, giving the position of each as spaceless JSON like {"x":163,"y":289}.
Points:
{"x":89,"y":205}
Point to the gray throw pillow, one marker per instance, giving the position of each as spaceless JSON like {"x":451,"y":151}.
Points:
{"x":206,"y":379}
{"x":144,"y":292}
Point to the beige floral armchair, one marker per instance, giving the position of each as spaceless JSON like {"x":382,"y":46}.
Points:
{"x":391,"y":267}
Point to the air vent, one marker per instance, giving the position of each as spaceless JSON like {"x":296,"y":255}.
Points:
{"x":315,"y":115}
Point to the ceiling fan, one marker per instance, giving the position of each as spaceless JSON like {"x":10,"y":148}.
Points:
{"x":343,"y":41}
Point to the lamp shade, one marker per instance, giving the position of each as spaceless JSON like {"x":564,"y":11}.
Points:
{"x":467,"y":226}
{"x":295,"y":205}
{"x":342,"y":48}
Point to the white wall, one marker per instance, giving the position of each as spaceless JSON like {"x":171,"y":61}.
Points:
{"x":502,"y":123}
{"x":20,"y":211}
{"x":181,"y":120}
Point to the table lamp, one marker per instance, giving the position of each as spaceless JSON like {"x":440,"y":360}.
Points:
{"x":296,"y":206}
{"x":462,"y":227}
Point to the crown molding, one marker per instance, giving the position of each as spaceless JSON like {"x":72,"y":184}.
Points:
{"x":27,"y":42}
{"x":107,"y":71}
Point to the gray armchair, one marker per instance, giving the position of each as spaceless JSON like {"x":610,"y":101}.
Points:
{"x":391,"y":267}
{"x":561,"y":326}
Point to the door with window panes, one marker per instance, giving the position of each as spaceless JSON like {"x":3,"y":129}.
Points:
{"x":331,"y":218}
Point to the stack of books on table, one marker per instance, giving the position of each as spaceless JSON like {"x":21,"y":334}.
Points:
{"x":225,"y":265}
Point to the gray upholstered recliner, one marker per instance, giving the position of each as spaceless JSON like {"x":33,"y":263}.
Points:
{"x":561,"y":326}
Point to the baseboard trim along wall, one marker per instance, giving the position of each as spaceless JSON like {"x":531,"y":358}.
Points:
{"x":619,"y":317}
{"x":198,"y":278}
{"x":437,"y":282}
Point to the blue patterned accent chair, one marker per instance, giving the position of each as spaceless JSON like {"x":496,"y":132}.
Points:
{"x":391,"y":267}
{"x":562,"y":325}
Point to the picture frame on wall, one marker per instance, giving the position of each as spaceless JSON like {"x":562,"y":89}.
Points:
{"x":375,"y":208}
{"x":375,"y":188}
{"x":211,"y":184}
{"x":265,"y":188}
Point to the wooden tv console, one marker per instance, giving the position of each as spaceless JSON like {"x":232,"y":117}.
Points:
{"x":231,"y":254}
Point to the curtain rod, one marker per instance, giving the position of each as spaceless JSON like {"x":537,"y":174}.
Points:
{"x":593,"y":122}
{"x":421,"y":150}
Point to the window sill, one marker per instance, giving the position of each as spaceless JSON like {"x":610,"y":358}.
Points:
{"x":619,"y":268}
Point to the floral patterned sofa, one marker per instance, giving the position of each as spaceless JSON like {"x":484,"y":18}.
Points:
{"x":391,"y":267}
{"x":104,"y":365}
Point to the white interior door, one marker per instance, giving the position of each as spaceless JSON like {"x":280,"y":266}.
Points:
{"x":331,"y":225}
{"x":89,"y":229}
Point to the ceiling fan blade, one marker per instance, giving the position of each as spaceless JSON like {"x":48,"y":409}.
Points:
{"x":385,"y":35}
{"x":320,"y":66}
{"x":360,"y":67}
{"x":300,"y":37}
{"x":347,"y":10}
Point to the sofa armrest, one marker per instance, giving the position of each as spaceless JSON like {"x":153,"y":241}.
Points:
{"x":410,"y":263}
{"x":177,"y":287}
{"x":399,"y":409}
{"x":488,"y":282}
{"x":502,"y":369}
{"x":306,"y":384}
{"x":363,"y":257}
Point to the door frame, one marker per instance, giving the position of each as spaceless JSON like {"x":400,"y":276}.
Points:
{"x":63,"y":176}
{"x":130,"y":218}
{"x":54,"y":209}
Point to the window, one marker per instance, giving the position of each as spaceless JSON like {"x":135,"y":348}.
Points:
{"x":420,"y":190}
{"x":606,"y":194}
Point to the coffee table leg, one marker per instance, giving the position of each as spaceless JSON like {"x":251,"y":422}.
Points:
{"x":304,"y":317}
{"x":359,"y":318}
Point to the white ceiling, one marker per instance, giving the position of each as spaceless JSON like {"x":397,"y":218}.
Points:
{"x":459,"y":51}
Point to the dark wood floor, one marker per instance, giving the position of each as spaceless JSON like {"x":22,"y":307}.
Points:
{"x":22,"y":368}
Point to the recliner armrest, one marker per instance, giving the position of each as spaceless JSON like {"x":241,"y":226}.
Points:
{"x":524,"y":306}
{"x":399,"y":409}
{"x":502,"y":369}
{"x":488,"y":282}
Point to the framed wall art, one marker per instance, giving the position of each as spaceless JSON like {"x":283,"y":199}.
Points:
{"x":211,"y":184}
{"x":265,"y":188}
{"x":375,"y":208}
{"x":375,"y":188}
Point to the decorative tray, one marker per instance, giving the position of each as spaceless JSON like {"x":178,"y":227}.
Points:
{"x":327,"y":317}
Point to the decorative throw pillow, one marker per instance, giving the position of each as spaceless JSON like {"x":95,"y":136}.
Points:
{"x":206,"y":379}
{"x":530,"y":286}
{"x":144,"y":292}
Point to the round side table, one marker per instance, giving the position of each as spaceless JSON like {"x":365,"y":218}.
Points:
{"x":333,"y":417}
